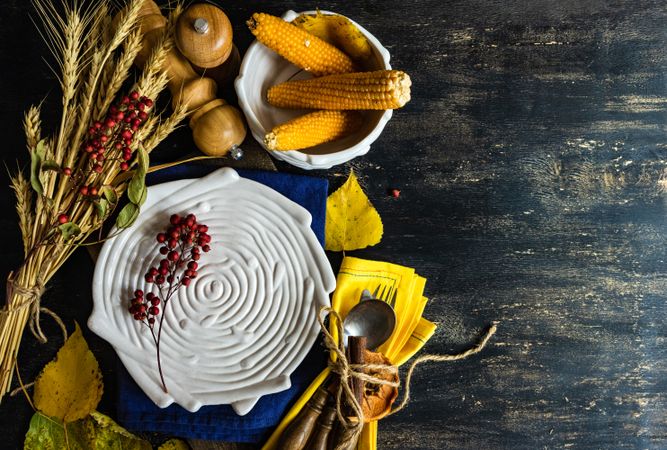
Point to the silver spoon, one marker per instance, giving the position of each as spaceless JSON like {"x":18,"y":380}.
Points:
{"x":372,"y":317}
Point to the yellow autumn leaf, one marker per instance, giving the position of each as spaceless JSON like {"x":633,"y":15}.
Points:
{"x":105,"y":434}
{"x":352,"y":221}
{"x":174,"y":444}
{"x":70,"y":387}
{"x":94,"y":432}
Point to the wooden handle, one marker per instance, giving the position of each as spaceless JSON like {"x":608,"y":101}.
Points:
{"x":335,"y":435}
{"x":220,"y":127}
{"x":320,"y":437}
{"x":297,"y":433}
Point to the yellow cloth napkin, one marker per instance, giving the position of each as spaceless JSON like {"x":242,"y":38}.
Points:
{"x":411,"y":333}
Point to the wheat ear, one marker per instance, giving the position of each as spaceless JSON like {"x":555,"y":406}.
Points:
{"x":23,"y":193}
{"x":108,"y":91}
{"x":32,"y":124}
{"x":164,"y":128}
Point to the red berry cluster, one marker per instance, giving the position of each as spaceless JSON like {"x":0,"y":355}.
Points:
{"x":145,"y":308}
{"x":183,"y":242}
{"x":116,"y":132}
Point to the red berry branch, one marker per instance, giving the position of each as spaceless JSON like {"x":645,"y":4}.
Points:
{"x":113,"y":137}
{"x":112,"y":140}
{"x":182,"y":244}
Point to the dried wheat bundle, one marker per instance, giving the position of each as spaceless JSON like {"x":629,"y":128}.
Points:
{"x":99,"y":152}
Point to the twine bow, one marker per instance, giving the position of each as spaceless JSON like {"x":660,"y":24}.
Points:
{"x":342,"y":367}
{"x":31,"y":299}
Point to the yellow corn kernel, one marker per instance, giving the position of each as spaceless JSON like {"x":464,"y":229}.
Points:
{"x":301,"y":48}
{"x":382,"y":89}
{"x":312,"y":129}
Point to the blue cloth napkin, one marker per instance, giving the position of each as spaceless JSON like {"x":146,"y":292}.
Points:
{"x":138,"y":413}
{"x":309,"y":192}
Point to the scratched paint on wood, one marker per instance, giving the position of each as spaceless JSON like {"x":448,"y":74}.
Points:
{"x":532,"y":167}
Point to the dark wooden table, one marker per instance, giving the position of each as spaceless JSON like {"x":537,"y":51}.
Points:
{"x":532,"y":168}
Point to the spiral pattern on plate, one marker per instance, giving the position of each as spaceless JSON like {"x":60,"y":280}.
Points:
{"x":245,"y":323}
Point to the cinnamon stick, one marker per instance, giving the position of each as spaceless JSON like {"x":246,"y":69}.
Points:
{"x":355,"y":347}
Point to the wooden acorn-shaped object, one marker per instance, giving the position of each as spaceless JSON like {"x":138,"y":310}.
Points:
{"x":217,"y":127}
{"x":225,"y":73}
{"x":204,"y":36}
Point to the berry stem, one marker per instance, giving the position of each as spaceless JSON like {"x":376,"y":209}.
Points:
{"x":157,"y":348}
{"x":181,"y":248}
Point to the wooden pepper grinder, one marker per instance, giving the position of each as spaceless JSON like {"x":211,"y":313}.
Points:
{"x":297,"y":433}
{"x":216,"y":126}
{"x":204,"y":36}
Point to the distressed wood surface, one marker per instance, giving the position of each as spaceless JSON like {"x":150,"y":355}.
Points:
{"x":531,"y":164}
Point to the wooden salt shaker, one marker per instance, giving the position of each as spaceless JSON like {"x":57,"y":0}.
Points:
{"x":217,"y":127}
{"x":204,"y":36}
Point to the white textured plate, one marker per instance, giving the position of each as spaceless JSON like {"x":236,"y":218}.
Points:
{"x":246,"y":322}
{"x":262,"y":68}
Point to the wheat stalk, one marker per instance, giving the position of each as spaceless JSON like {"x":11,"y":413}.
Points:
{"x":165,"y":128}
{"x":23,"y":193}
{"x":109,"y":89}
{"x":153,"y":66}
{"x":127,"y":21}
{"x":91,"y":72}
{"x":32,"y":124}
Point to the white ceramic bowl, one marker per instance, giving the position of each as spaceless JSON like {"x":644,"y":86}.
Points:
{"x":262,"y":68}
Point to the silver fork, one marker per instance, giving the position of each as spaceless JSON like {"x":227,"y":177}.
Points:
{"x":373,"y":317}
{"x":387,"y":294}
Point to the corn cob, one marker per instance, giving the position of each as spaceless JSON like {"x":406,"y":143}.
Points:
{"x":312,"y":129}
{"x":382,"y":89}
{"x":298,"y":46}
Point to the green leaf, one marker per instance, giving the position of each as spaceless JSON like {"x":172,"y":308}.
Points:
{"x":136,"y":190}
{"x":94,"y":432}
{"x":46,"y":433}
{"x":36,"y":158}
{"x":69,"y":230}
{"x":109,"y":193}
{"x":127,"y":215}
{"x":101,"y":207}
{"x":174,"y":444}
{"x":50,"y":164}
{"x":104,"y":434}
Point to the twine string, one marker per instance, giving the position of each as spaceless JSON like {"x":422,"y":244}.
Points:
{"x":31,"y":299}
{"x":342,"y":367}
{"x":345,"y":370}
{"x":442,"y":358}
